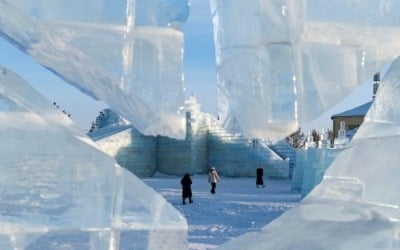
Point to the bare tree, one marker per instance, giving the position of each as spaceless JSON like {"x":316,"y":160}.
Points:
{"x":297,"y":139}
{"x":315,"y":135}
{"x":330,"y":136}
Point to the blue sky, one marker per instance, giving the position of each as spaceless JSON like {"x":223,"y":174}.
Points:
{"x":199,"y":70}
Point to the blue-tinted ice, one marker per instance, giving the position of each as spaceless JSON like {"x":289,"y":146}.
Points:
{"x":283,"y":63}
{"x":127,"y":53}
{"x":59,"y":191}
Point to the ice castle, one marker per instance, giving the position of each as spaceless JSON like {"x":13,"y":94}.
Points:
{"x":278,"y":56}
{"x":206,"y":144}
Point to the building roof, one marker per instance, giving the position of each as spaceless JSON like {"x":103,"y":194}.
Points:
{"x":357,"y":111}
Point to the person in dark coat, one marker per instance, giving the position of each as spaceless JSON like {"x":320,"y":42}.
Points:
{"x":260,"y":180}
{"x":186,"y":183}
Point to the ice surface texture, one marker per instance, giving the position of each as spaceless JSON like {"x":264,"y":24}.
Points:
{"x":59,"y":191}
{"x":356,"y":206}
{"x":127,"y":53}
{"x":282,"y":63}
{"x":206,"y":144}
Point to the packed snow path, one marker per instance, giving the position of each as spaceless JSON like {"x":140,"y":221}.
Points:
{"x":237,"y":207}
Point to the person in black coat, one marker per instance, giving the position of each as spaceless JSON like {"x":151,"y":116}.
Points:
{"x":186,"y":183}
{"x":260,"y":180}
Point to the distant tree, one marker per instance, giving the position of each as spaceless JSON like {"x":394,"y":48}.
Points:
{"x":331,"y":136}
{"x":297,"y":139}
{"x":315,"y":135}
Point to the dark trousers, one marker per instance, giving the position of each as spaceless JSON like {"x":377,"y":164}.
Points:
{"x":213,"y":186}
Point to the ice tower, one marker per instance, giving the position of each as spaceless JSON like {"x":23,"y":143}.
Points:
{"x":295,"y":59}
{"x":356,"y":204}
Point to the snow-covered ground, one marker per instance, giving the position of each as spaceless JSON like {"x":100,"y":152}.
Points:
{"x":237,"y":207}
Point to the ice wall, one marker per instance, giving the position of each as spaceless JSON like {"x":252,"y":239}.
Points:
{"x":206,"y":144}
{"x":356,"y":206}
{"x":282,"y":63}
{"x":127,"y":53}
{"x":131,"y":149}
{"x":57,"y":190}
{"x":236,"y":156}
{"x":178,"y":157}
{"x":311,"y":165}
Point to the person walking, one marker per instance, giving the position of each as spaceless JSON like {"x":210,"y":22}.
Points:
{"x":186,"y":183}
{"x":213,"y":178}
{"x":259,"y":179}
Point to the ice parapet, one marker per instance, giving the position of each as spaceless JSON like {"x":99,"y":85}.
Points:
{"x":126,"y":53}
{"x":282,"y":63}
{"x":356,"y":206}
{"x":59,"y":191}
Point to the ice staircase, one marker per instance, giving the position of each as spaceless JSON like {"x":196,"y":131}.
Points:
{"x":206,"y":145}
{"x":234,"y":155}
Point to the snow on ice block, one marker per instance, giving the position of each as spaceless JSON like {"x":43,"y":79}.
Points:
{"x":126,"y":54}
{"x":283,"y":63}
{"x":356,"y":206}
{"x":58,"y":191}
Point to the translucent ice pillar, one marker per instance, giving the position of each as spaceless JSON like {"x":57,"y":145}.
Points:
{"x":127,"y":53}
{"x":282,"y":63}
{"x":59,"y":191}
{"x":356,"y":206}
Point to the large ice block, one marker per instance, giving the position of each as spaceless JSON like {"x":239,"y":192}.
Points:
{"x":59,"y":191}
{"x":127,"y":53}
{"x":356,"y":206}
{"x":283,"y":63}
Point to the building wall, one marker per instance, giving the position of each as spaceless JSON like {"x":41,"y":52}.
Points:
{"x":351,"y":123}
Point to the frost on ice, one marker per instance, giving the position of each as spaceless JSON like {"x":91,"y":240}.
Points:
{"x":58,"y":191}
{"x":280,"y":63}
{"x":295,"y":59}
{"x":127,"y":53}
{"x":356,"y":206}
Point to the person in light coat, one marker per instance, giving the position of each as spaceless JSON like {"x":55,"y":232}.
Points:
{"x":213,"y":178}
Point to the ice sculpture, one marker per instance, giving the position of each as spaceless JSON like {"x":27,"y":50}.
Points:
{"x":342,"y":139}
{"x":357,"y":204}
{"x":282,"y":63}
{"x":310,"y":143}
{"x":127,"y":53}
{"x":58,"y":191}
